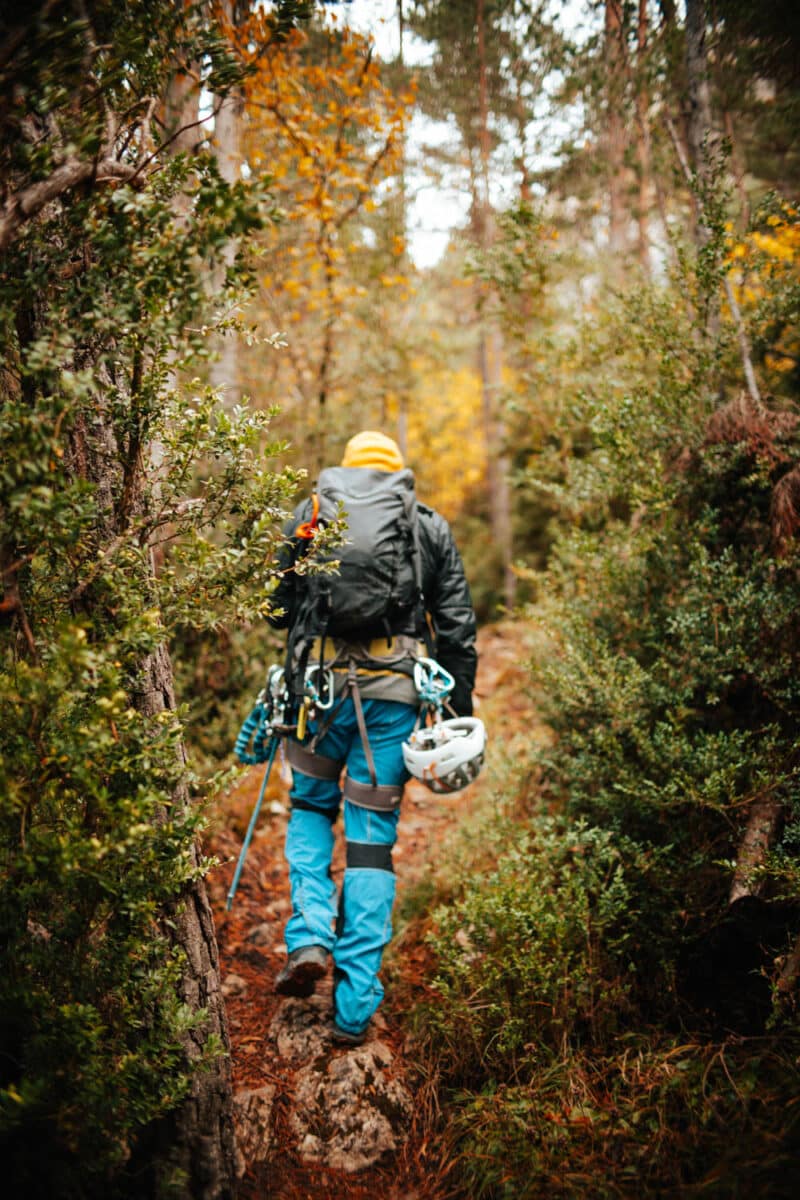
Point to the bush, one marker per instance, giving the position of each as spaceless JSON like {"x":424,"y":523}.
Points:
{"x":606,"y":1020}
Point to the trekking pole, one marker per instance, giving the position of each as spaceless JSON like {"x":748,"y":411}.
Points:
{"x":251,"y":827}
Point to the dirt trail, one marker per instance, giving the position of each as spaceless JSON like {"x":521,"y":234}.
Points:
{"x":316,"y":1120}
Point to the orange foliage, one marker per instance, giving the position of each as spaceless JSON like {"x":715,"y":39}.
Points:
{"x":327,"y":134}
{"x":446,"y":446}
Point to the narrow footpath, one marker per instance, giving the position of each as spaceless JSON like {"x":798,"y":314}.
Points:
{"x":314,"y":1119}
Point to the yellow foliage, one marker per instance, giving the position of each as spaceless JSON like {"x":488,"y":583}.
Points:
{"x":445,"y":437}
{"x":764,"y":262}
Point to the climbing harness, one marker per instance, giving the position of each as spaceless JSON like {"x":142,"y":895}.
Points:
{"x":445,"y":754}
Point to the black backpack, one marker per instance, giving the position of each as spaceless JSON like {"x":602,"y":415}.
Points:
{"x":377,"y":588}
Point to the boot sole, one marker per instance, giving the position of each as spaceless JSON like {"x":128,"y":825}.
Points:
{"x":302,"y":980}
{"x":344,"y":1038}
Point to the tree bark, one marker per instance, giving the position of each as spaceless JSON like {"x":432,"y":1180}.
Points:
{"x":760,"y":834}
{"x":700,"y":130}
{"x":197,"y":1139}
{"x":643,"y":148}
{"x":490,"y":348}
{"x":615,"y":131}
{"x":227,"y":148}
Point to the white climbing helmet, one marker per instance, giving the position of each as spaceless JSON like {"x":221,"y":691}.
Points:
{"x":447,"y":755}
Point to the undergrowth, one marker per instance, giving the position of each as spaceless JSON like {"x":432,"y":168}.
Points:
{"x":611,"y":981}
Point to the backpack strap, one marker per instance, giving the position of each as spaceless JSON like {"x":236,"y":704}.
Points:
{"x":423,"y":628}
{"x":352,"y":683}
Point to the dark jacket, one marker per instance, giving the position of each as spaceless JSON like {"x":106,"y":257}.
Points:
{"x":444,"y":586}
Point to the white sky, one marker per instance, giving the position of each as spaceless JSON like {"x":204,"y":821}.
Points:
{"x":434,"y":210}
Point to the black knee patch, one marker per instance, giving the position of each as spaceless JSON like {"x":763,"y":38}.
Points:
{"x":374,"y":855}
{"x":304,"y":806}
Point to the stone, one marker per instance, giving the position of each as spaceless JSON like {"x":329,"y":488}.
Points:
{"x":252,"y":1117}
{"x":233,"y":985}
{"x":349,"y":1111}
{"x":301,"y":1028}
{"x":262,"y":935}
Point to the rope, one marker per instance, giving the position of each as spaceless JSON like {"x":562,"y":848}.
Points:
{"x":255,"y":727}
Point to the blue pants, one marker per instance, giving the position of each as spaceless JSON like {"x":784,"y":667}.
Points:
{"x":358,"y":932}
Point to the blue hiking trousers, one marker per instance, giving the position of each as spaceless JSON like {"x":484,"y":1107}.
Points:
{"x":357,"y":932}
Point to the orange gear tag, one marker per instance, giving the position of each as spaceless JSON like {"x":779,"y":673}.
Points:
{"x":308,"y":528}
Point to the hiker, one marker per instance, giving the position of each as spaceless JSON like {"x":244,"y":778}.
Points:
{"x":343,"y":631}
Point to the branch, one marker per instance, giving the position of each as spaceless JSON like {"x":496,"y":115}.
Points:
{"x":760,"y":834}
{"x":744,"y":344}
{"x":679,"y":150}
{"x":173,"y":137}
{"x":136,"y":529}
{"x":27,"y":203}
{"x":355,"y":204}
{"x":11,"y":603}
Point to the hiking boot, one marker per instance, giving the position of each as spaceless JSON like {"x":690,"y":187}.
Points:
{"x":345,"y":1038}
{"x":304,"y":967}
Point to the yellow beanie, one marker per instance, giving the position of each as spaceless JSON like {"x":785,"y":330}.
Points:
{"x":376,"y":450}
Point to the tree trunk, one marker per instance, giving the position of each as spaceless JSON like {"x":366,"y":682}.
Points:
{"x":760,"y":834}
{"x":643,"y":148}
{"x":181,"y":111}
{"x":227,"y":148}
{"x":699,"y":126}
{"x":615,"y":131}
{"x":197,"y":1139}
{"x":402,"y":221}
{"x":490,"y":349}
{"x":738,"y":169}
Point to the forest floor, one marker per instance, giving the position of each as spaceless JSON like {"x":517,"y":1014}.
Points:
{"x":277,"y":1042}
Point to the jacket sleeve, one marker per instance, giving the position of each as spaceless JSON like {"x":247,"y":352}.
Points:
{"x":449,"y":604}
{"x":283,"y":599}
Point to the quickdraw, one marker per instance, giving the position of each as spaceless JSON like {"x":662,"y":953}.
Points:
{"x":257,"y":742}
{"x":433,"y":683}
{"x":263,"y":729}
{"x":269,"y":714}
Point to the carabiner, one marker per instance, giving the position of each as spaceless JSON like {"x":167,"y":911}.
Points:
{"x":432,"y":682}
{"x":314,"y":693}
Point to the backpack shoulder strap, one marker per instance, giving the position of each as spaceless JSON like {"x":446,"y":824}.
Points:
{"x":423,"y":627}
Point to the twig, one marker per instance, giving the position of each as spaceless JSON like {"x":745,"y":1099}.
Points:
{"x":679,"y":150}
{"x":744,"y":344}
